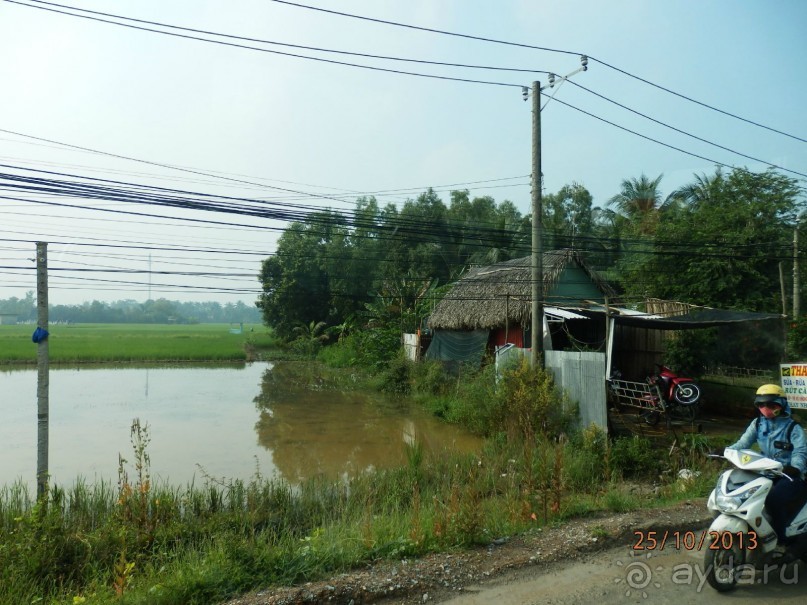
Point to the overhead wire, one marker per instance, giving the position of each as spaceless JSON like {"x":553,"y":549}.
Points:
{"x":107,"y":189}
{"x":343,"y":192}
{"x":419,"y":226}
{"x":207,"y":32}
{"x":276,"y":43}
{"x":680,"y":131}
{"x":270,"y":51}
{"x":632,"y":132}
{"x":542,"y":48}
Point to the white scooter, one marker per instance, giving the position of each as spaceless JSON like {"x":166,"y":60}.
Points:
{"x":741,"y":538}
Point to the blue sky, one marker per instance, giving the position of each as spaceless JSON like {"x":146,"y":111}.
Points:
{"x":320,"y":128}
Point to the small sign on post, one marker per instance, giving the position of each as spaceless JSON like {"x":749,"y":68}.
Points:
{"x":794,"y":383}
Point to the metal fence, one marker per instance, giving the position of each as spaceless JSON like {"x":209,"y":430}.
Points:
{"x":582,"y":376}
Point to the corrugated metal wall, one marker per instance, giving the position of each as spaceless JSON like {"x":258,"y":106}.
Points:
{"x":582,"y":376}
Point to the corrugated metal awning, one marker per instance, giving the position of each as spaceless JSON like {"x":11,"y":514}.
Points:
{"x":559,"y":314}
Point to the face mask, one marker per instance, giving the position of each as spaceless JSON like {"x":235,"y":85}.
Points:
{"x":770,"y":413}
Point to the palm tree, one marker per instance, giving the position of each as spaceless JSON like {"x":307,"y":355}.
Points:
{"x":702,"y":189}
{"x":640,"y":200}
{"x":637,"y":196}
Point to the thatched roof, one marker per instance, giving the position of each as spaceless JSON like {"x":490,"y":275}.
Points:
{"x":487,"y":295}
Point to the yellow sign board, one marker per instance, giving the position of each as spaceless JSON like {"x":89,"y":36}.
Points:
{"x":794,"y":382}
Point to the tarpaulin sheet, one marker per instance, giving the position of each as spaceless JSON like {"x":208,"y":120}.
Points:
{"x":467,"y":346}
{"x":699,"y":318}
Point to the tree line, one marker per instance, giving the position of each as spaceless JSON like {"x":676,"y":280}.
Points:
{"x":717,"y":241}
{"x":131,"y":311}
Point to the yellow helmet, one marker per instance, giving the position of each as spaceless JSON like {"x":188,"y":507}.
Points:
{"x":769,"y":393}
{"x":771,"y":389}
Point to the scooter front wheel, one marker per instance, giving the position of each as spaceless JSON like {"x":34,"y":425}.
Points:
{"x":723,"y":565}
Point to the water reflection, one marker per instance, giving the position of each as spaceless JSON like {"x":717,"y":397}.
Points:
{"x":334,"y":433}
{"x":225,"y":420}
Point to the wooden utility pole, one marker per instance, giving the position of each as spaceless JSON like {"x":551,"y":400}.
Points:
{"x":537,"y":340}
{"x":43,"y":370}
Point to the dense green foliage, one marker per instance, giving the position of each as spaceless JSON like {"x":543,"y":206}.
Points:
{"x":382,"y":265}
{"x":716,"y":242}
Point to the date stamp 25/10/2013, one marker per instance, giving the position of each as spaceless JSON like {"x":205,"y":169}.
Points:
{"x":694,"y":540}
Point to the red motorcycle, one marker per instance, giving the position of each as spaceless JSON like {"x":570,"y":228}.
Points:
{"x":680,"y":395}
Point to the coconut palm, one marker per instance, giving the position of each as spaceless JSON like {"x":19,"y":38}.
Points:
{"x":702,"y":189}
{"x":639,"y":200}
{"x":638,"y":196}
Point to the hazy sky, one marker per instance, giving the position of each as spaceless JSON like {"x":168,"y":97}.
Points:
{"x":289,"y":125}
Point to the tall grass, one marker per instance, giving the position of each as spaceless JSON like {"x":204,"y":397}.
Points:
{"x":137,"y":542}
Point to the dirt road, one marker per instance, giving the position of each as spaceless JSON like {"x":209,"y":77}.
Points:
{"x":616,"y":576}
{"x":587,"y":560}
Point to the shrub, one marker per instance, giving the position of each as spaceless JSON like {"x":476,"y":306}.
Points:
{"x":589,"y":458}
{"x":529,"y":404}
{"x":343,"y":354}
{"x":634,"y":457}
{"x":429,"y":378}
{"x":396,"y":377}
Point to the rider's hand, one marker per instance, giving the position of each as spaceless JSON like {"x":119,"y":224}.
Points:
{"x":791,"y":471}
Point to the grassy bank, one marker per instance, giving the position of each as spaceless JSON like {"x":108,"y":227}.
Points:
{"x":135,"y":542}
{"x":80,"y":343}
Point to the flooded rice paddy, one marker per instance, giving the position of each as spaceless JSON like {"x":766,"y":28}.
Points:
{"x":209,"y":422}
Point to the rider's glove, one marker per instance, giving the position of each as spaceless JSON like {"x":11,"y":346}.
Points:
{"x":791,"y":471}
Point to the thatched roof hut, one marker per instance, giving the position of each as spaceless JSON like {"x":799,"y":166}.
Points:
{"x":501,"y":294}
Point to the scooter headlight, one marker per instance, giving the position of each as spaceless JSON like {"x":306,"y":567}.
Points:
{"x":732,"y":503}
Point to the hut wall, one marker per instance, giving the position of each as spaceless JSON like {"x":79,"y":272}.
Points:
{"x":636,"y":350}
{"x":500,"y":337}
{"x":572,"y":287}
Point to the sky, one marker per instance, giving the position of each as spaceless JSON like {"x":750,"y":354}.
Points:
{"x":83,"y":97}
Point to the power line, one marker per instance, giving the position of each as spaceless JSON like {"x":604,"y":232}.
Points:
{"x":347,"y":192}
{"x":405,"y":73}
{"x":141,"y":195}
{"x":542,"y":48}
{"x":286,"y":44}
{"x":633,"y":132}
{"x":678,"y":130}
{"x":274,"y":52}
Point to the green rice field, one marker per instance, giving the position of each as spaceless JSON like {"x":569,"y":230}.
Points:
{"x":79,"y":343}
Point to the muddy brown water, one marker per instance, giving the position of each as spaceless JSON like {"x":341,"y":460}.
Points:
{"x":221,"y":422}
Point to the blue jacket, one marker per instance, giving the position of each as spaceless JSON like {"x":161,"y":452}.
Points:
{"x":767,"y":432}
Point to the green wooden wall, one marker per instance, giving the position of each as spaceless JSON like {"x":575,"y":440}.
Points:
{"x":572,"y":287}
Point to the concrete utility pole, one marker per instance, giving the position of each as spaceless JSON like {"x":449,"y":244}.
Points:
{"x":43,"y":370}
{"x":537,"y":278}
{"x":537,"y":340}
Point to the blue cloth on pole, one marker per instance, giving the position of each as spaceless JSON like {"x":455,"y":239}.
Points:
{"x":39,"y":335}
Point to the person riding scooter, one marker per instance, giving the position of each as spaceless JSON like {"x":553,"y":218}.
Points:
{"x":781,"y":438}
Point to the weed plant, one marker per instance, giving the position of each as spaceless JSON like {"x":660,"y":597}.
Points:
{"x":140,"y":542}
